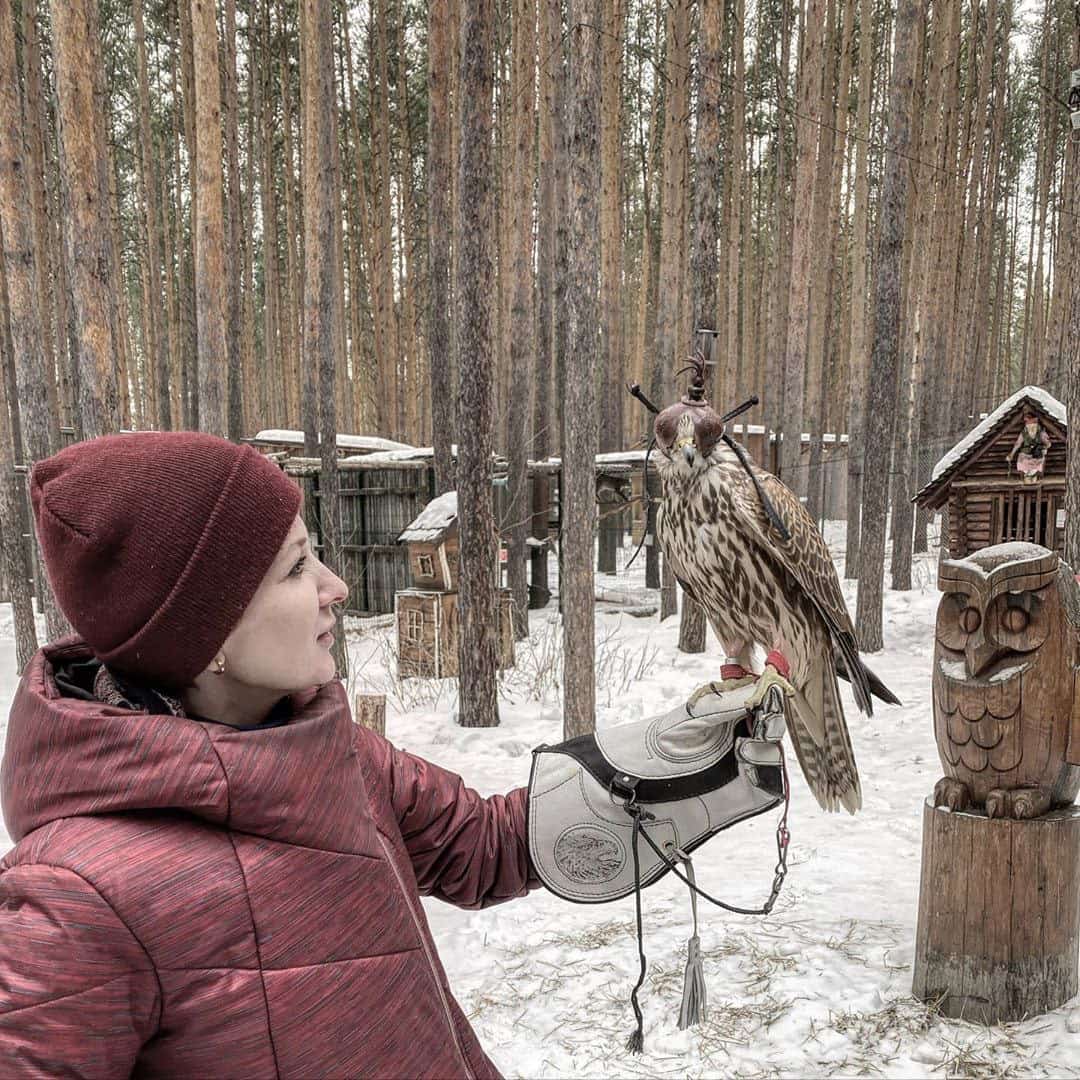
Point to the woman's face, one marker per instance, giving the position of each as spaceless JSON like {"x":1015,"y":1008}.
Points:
{"x":277,"y":644}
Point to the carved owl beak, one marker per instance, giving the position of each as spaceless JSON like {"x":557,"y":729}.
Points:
{"x":688,"y":453}
{"x":979,"y":654}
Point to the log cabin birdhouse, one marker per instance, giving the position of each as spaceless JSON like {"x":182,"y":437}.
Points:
{"x":426,"y":615}
{"x":1005,"y":480}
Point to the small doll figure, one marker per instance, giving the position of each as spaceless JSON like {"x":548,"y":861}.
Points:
{"x":1030,"y":449}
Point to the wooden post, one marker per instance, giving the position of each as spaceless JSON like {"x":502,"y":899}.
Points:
{"x":370,"y":711}
{"x":999,"y":914}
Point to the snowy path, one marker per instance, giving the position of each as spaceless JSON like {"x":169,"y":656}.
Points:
{"x":820,"y":988}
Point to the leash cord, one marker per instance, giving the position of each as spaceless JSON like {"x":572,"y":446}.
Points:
{"x":648,"y":500}
{"x":636,"y":1042}
{"x":782,"y":839}
{"x":770,"y":511}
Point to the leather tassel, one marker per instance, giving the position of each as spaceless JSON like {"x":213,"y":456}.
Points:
{"x":692,"y":1010}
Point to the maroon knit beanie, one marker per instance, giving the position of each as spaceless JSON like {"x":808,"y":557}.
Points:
{"x":155,"y":543}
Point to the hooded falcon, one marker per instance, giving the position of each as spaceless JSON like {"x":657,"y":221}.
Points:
{"x":744,"y":548}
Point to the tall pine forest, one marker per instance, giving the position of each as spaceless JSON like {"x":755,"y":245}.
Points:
{"x":185,"y":183}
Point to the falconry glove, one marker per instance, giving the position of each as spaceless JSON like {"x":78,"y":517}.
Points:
{"x":670,"y":781}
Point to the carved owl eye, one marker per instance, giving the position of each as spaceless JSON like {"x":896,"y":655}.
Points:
{"x":956,"y":619}
{"x":1020,"y":621}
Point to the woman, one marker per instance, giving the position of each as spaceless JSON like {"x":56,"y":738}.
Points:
{"x":216,"y":872}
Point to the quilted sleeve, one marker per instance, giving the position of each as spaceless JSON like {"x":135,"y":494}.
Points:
{"x":468,"y":850}
{"x":78,"y":994}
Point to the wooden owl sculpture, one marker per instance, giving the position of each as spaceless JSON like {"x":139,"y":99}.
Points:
{"x":1006,"y":693}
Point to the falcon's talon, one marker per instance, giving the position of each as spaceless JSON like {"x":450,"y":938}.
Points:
{"x":766,"y":681}
{"x":716,"y":688}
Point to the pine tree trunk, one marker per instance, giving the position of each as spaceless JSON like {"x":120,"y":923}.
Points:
{"x":209,"y":222}
{"x":385,"y":311}
{"x":858,"y":314}
{"x":322,"y":329}
{"x":560,"y":139}
{"x":474,"y":292}
{"x":580,"y":410}
{"x":153,"y":335}
{"x":667,"y":346}
{"x":411,"y":257}
{"x":795,"y":356}
{"x":37,"y":121}
{"x":780,"y":257}
{"x":84,"y":171}
{"x":881,"y":400}
{"x":735,"y":254}
{"x":611,"y":392}
{"x":440,"y":224}
{"x":518,"y":506}
{"x":550,"y":46}
{"x":1072,"y":344}
{"x":234,"y":300}
{"x":299,"y":378}
{"x":189,"y":361}
{"x":708,"y":167}
{"x":909,"y":372}
{"x":816,"y":363}
{"x":25,"y":322}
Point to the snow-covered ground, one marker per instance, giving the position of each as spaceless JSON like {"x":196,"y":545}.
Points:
{"x":819,"y":988}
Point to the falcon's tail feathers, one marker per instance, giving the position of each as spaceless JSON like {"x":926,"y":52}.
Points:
{"x":869,"y":683}
{"x":829,"y":768}
{"x":879,"y":689}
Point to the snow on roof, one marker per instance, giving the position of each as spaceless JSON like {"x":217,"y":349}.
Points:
{"x":1036,"y":394}
{"x":345,"y":442}
{"x":619,"y":457}
{"x":430,"y":524}
{"x":409,"y":453}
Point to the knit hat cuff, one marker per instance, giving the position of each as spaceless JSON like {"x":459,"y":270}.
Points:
{"x":245,"y":530}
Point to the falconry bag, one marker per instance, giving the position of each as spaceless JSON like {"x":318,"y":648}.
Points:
{"x":613,"y":812}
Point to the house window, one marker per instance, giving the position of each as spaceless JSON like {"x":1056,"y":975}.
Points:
{"x":427,"y":568}
{"x":414,"y":626}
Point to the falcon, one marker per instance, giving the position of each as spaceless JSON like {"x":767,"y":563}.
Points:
{"x":743,"y":547}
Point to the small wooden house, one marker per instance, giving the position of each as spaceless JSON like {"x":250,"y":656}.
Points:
{"x":432,"y":542}
{"x":988,"y":501}
{"x":427,"y":614}
{"x":427,"y":633}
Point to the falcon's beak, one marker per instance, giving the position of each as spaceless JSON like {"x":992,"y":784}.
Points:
{"x":686,"y":445}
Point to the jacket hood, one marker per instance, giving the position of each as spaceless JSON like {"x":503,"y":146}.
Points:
{"x":67,"y":757}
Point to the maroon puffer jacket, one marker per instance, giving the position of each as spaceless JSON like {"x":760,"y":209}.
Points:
{"x":185,"y":899}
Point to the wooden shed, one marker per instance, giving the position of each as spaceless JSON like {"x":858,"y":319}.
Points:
{"x":427,"y":633}
{"x":987,"y":501}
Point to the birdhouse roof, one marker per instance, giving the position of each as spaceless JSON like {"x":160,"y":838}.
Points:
{"x":988,"y":427}
{"x":433,"y":522}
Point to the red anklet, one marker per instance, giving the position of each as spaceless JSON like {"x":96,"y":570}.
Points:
{"x":778,"y":661}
